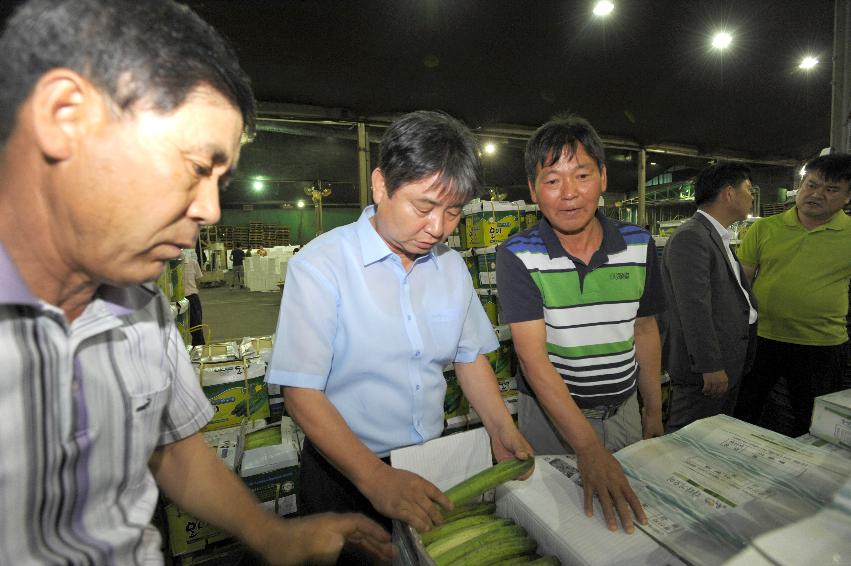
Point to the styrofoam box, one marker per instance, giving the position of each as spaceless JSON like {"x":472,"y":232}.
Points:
{"x":832,"y":418}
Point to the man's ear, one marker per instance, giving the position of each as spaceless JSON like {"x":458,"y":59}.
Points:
{"x":532,"y":194}
{"x":379,"y":188}
{"x":63,"y":107}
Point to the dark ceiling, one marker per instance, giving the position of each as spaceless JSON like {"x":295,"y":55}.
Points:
{"x":644,"y":74}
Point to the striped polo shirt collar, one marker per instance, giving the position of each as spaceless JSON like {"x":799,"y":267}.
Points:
{"x":119,"y":301}
{"x":613,"y":241}
{"x":373,"y":247}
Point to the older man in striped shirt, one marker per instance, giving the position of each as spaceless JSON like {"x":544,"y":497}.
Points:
{"x":119,"y":120}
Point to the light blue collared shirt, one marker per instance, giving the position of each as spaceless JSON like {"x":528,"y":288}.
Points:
{"x":374,"y":338}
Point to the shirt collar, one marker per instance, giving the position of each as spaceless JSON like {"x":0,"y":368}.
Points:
{"x":119,"y":301}
{"x":372,"y":245}
{"x":613,"y":242}
{"x":721,"y":229}
{"x":838,"y":222}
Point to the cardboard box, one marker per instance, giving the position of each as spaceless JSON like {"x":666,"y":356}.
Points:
{"x":227,"y":443}
{"x":259,"y":347}
{"x":271,"y":472}
{"x":236,"y":390}
{"x":832,"y":418}
{"x":187,"y":534}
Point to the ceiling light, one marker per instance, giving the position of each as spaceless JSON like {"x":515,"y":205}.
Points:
{"x":808,"y":63}
{"x":603,"y":8}
{"x":300,"y":204}
{"x":490,"y":148}
{"x":257,"y":185}
{"x":652,"y":163}
{"x":722,"y":40}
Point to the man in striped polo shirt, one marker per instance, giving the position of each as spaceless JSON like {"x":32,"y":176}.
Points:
{"x":581,"y":292}
{"x":119,"y":119}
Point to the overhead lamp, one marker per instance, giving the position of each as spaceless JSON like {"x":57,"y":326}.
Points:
{"x":300,"y":204}
{"x":603,"y":8}
{"x":653,"y":163}
{"x":490,"y":148}
{"x":808,"y":63}
{"x":257,"y":185}
{"x":722,"y":40}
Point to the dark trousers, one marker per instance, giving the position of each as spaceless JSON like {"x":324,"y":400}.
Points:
{"x":195,"y":319}
{"x":688,"y":403}
{"x":810,"y":371}
{"x":323,"y":488}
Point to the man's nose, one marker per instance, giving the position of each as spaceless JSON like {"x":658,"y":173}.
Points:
{"x":204,"y":208}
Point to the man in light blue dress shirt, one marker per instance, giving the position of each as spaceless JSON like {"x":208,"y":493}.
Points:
{"x":371,"y":314}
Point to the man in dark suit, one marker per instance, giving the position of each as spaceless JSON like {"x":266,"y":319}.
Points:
{"x":711,"y":318}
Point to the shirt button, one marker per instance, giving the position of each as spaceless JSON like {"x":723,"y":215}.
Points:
{"x":409,"y":317}
{"x":417,"y":354}
{"x":418,"y":387}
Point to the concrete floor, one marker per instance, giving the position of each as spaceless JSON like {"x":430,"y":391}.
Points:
{"x":235,"y":313}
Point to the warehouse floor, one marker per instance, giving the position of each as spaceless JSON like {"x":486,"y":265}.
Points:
{"x":235,"y":313}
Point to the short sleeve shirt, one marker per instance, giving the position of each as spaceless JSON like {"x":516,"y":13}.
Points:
{"x":802,"y":280}
{"x":374,"y":338}
{"x":589,"y":310}
{"x":84,"y":405}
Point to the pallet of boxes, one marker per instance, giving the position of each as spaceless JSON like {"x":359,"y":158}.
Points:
{"x":262,"y":449}
{"x":485,"y":225}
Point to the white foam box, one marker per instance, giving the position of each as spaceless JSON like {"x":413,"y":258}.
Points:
{"x":832,"y":418}
{"x":549,"y":505}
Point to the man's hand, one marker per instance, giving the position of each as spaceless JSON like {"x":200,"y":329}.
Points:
{"x":403,"y":495}
{"x":602,"y":475}
{"x":318,"y":539}
{"x":715,"y":384}
{"x":651,"y":423}
{"x":509,"y":443}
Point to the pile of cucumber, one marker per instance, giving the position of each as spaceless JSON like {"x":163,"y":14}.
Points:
{"x":472,"y":535}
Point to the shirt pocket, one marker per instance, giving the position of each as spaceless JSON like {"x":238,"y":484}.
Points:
{"x":145,"y":419}
{"x":445,"y":329}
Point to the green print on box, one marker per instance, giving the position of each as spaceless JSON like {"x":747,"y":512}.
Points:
{"x":236,"y":390}
{"x":490,"y":302}
{"x":491,"y":222}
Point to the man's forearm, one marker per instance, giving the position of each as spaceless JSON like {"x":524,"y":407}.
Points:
{"x":480,"y":387}
{"x":648,"y":353}
{"x":195,"y":479}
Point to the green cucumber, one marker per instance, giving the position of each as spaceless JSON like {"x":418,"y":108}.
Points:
{"x":480,"y":542}
{"x":469,"y":510}
{"x":447,"y":529}
{"x":449,"y":542}
{"x":494,"y":551}
{"x":488,"y":479}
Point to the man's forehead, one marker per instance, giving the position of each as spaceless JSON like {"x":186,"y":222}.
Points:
{"x":818,"y":177}
{"x":567,"y":154}
{"x":440,"y":194}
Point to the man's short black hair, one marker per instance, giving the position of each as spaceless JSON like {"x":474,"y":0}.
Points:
{"x":547,"y":144}
{"x":710,"y":181}
{"x":423,"y":143}
{"x":132,"y":50}
{"x":833,"y":167}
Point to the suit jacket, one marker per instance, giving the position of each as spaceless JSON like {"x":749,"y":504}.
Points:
{"x":706,"y":325}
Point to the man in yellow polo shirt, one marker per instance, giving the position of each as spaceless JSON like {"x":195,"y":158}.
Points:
{"x":801,"y":261}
